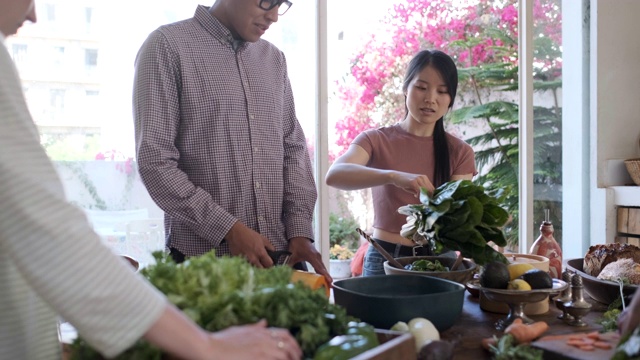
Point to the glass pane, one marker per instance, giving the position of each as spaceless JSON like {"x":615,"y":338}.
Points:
{"x":367,"y":61}
{"x":77,"y":70}
{"x":349,"y":38}
{"x":78,"y":81}
{"x":547,"y":102}
{"x":295,"y":34}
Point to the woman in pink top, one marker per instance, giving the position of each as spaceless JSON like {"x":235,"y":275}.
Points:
{"x":397,"y":161}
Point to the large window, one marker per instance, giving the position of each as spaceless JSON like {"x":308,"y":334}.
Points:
{"x":367,"y":57}
{"x":85,"y":116}
{"x":80,"y":89}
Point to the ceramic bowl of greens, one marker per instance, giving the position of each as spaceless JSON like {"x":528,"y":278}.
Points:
{"x":434,"y":266}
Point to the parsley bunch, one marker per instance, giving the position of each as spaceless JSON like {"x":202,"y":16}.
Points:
{"x":219,"y":292}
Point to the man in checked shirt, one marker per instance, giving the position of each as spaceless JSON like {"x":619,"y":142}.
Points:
{"x":219,"y":146}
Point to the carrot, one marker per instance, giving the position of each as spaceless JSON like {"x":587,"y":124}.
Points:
{"x":526,"y":333}
{"x":602,"y":345}
{"x":588,"y":341}
{"x":587,"y":348}
{"x":517,"y":321}
{"x":555,"y":337}
{"x":594,"y":335}
{"x":575,"y":342}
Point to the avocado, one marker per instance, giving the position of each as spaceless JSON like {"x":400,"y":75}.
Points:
{"x":538,"y":279}
{"x":495,"y":276}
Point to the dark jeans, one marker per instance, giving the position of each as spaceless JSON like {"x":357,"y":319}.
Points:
{"x":179,"y":257}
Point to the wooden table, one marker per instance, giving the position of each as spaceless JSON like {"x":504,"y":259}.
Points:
{"x":475,"y":324}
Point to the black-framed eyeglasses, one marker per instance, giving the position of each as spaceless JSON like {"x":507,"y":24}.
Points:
{"x":282,"y":6}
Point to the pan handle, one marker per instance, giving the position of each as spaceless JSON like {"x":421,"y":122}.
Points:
{"x":382,"y":251}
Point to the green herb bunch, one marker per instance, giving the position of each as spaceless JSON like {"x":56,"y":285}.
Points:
{"x":507,"y":349}
{"x":458,"y":216}
{"x":629,"y":346}
{"x":219,"y":292}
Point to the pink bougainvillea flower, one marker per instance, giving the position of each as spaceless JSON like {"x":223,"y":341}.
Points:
{"x":368,"y":95}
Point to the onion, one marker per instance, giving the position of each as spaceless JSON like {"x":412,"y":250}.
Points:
{"x":423,"y":331}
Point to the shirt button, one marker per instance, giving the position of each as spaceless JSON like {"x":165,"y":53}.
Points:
{"x":251,"y":116}
{"x":246,"y":83}
{"x":260,"y":218}
{"x":255,"y":149}
{"x":257,"y":184}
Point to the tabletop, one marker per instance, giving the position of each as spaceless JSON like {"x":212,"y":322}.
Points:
{"x":475,"y":324}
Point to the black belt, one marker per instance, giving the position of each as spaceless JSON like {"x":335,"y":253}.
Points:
{"x":397,"y":250}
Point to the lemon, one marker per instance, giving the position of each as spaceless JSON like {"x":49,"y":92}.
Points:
{"x":516,"y":270}
{"x":519,"y":284}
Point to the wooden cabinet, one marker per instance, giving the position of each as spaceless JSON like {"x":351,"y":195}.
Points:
{"x":628,"y":228}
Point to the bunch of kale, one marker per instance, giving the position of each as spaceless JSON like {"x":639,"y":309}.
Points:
{"x":458,"y":216}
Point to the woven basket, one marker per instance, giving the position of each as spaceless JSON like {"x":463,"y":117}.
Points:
{"x":633,"y":167}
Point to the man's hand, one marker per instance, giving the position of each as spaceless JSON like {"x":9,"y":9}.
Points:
{"x":302,"y":249}
{"x":251,"y":245}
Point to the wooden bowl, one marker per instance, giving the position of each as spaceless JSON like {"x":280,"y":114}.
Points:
{"x":604,"y":291}
{"x":462,"y":276}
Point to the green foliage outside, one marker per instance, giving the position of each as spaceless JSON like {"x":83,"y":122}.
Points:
{"x":497,"y":149}
{"x":342,"y":231}
{"x":482,"y":37}
{"x":65,"y":147}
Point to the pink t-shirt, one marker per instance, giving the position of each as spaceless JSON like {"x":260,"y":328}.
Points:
{"x":392,"y":148}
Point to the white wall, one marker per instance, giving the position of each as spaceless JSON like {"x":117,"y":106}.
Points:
{"x":601,"y":121}
{"x":615,"y":96}
{"x":615,"y":81}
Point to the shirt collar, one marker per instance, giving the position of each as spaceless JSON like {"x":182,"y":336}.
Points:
{"x":215,"y":28}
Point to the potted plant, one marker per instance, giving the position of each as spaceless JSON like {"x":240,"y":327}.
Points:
{"x":340,"y":261}
{"x":343,"y":239}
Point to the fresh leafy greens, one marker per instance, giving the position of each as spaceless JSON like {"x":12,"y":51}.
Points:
{"x":629,"y":346}
{"x":609,"y":320}
{"x":426,"y":265}
{"x":507,"y":349}
{"x":458,"y":216}
{"x":219,"y":292}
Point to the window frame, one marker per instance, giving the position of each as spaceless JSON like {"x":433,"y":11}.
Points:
{"x":525,"y":8}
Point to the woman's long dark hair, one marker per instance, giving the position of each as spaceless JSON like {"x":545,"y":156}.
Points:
{"x":444,"y":64}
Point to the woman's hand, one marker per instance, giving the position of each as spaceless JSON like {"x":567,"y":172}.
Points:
{"x":252,"y":342}
{"x":629,"y":318}
{"x":411,"y":183}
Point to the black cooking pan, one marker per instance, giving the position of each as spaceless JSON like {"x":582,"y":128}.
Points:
{"x":383,"y":300}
